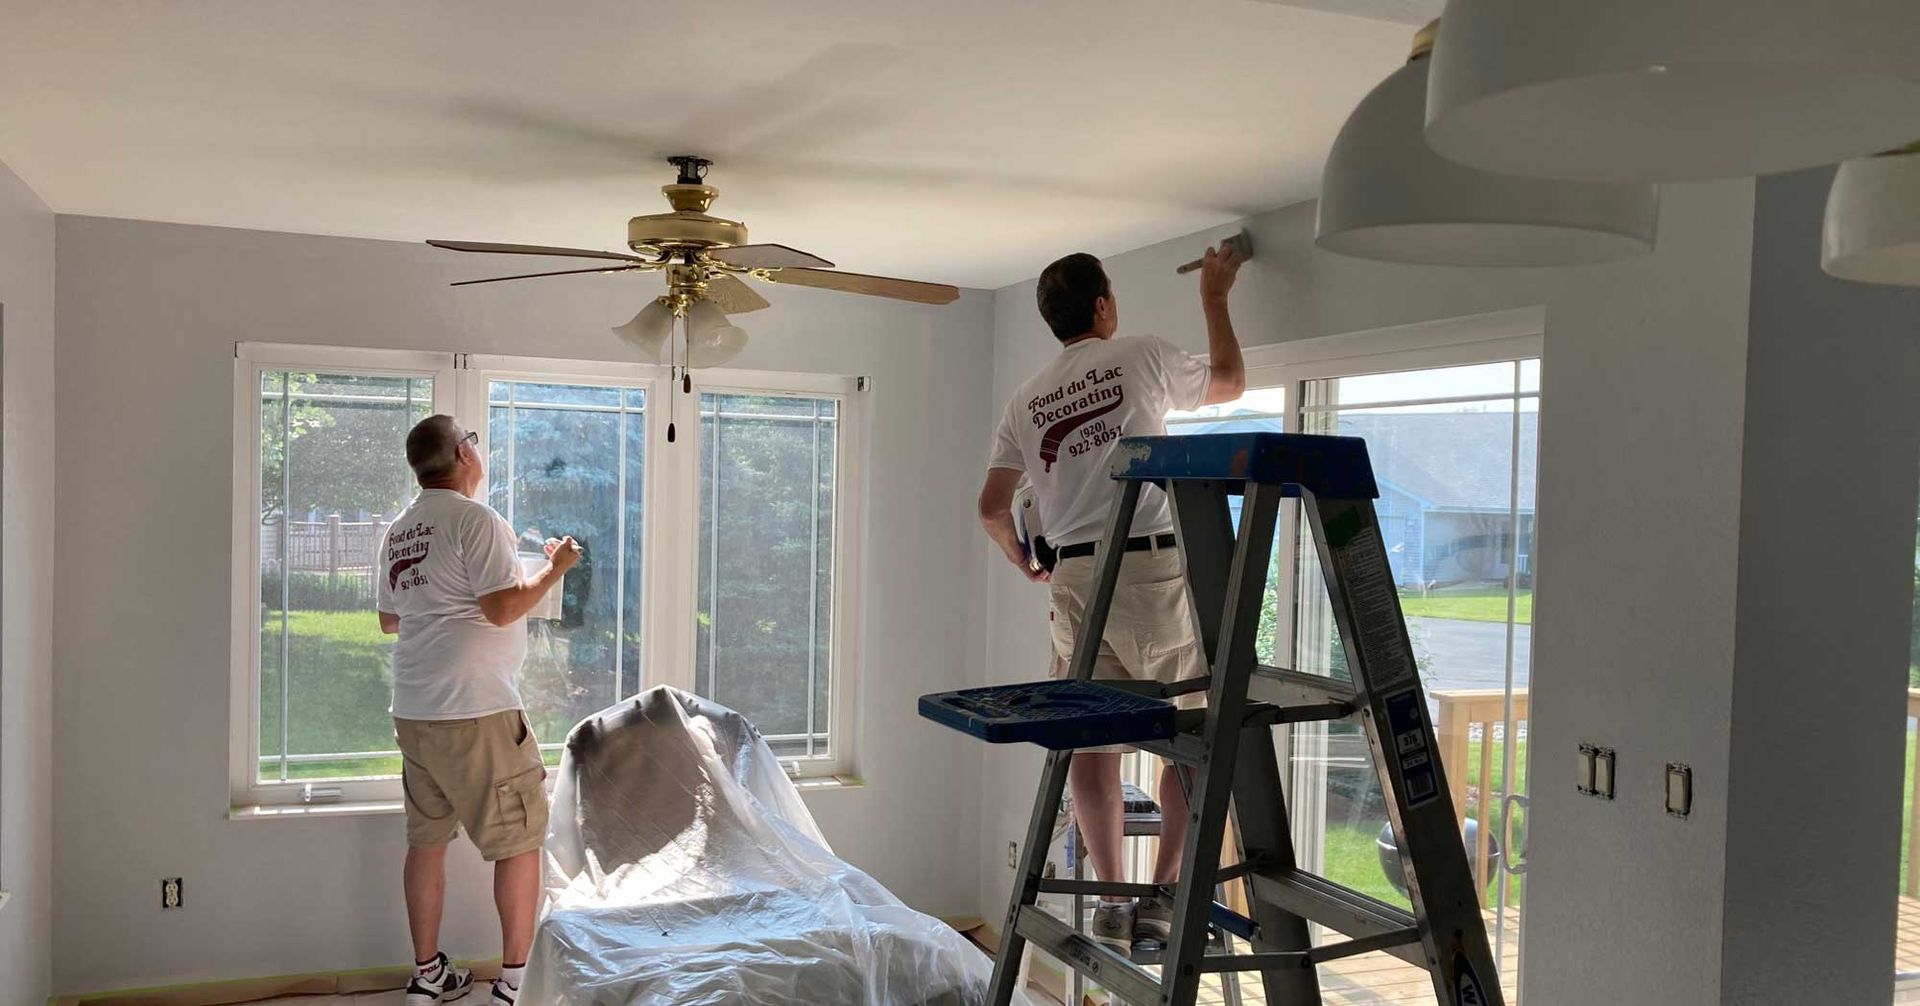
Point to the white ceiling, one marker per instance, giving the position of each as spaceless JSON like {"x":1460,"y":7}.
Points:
{"x":962,"y":142}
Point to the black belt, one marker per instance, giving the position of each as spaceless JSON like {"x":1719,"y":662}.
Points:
{"x":1140,"y":544}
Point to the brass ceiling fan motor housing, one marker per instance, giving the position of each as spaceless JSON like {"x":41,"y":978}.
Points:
{"x":687,"y":227}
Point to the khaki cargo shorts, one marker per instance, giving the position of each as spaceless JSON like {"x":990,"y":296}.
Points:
{"x":1150,"y":629}
{"x":484,"y":773}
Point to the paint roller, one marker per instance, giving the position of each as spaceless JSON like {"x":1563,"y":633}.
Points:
{"x":1241,"y":242}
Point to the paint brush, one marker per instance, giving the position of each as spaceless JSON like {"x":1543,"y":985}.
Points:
{"x":1241,"y":242}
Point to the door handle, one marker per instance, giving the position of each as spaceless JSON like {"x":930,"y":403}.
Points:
{"x":1515,"y":861}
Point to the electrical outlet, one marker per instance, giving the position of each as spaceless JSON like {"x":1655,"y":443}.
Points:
{"x":172,"y":893}
{"x":1013,"y":855}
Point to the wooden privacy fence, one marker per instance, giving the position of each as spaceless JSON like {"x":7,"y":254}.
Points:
{"x":332,"y":546}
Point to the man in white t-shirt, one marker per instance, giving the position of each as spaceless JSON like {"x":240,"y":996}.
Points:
{"x":1058,"y":433}
{"x":448,"y":582}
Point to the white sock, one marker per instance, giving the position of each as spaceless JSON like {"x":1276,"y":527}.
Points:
{"x":512,"y":976}
{"x":428,"y":970}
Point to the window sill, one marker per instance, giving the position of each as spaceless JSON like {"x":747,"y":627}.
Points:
{"x":366,"y":808}
{"x":828,"y":782}
{"x":272,"y":812}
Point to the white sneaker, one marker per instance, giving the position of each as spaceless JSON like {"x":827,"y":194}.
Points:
{"x":504,"y":994}
{"x":447,"y":984}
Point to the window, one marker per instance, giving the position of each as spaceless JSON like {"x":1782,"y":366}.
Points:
{"x":766,"y":563}
{"x":569,"y":459}
{"x":1454,"y":451}
{"x":746,"y":517}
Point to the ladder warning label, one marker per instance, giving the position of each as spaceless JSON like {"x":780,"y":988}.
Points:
{"x":1410,"y":742}
{"x":1376,"y":609}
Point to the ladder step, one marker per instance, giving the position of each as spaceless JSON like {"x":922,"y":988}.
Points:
{"x":1341,"y":909}
{"x":1126,"y":980}
{"x":1058,"y":715}
{"x":1283,"y":687}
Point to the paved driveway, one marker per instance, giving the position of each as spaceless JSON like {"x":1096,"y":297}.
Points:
{"x":1462,"y":654}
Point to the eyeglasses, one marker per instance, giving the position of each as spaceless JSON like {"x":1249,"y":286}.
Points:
{"x":472,"y":437}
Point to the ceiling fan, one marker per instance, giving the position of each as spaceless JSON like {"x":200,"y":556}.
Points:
{"x":703,"y":257}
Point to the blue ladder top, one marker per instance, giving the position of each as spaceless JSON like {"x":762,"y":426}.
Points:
{"x":1329,"y":467}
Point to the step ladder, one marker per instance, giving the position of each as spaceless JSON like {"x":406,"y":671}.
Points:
{"x":1228,"y":746}
{"x":1140,"y":818}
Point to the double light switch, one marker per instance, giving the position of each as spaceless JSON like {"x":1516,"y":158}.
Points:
{"x":1594,"y":774}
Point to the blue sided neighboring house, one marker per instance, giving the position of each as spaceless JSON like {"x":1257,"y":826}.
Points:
{"x":1447,"y":504}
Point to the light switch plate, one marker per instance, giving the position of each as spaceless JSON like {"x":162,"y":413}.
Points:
{"x":1594,"y":771}
{"x":1679,"y":789}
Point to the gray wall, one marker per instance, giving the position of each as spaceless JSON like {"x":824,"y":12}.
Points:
{"x":150,"y":315}
{"x":1642,"y":397}
{"x":26,"y":603}
{"x":1832,"y":463}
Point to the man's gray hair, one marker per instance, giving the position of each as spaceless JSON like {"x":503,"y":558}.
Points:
{"x":433,"y":448}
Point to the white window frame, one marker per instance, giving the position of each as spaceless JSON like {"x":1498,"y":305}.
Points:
{"x":850,"y":491}
{"x":251,"y":360}
{"x":669,"y":534}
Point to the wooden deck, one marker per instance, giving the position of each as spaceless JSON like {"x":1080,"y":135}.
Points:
{"x":1375,"y":979}
{"x":1380,"y":980}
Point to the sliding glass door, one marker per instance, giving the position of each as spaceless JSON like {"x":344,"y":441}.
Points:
{"x":1454,"y":451}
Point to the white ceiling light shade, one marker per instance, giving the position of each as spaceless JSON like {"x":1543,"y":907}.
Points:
{"x":1664,"y":90}
{"x":1872,"y":231}
{"x":1386,"y":195}
{"x":711,"y":339}
{"x":650,"y":329}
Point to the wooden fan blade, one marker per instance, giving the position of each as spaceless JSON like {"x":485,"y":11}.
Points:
{"x":768,"y":256}
{"x":500,"y":249}
{"x":537,"y":275}
{"x":872,"y":286}
{"x":733,"y":296}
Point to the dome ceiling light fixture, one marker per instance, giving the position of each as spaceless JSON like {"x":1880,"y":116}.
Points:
{"x":1666,"y":90}
{"x":1872,"y":229}
{"x":1386,"y":195}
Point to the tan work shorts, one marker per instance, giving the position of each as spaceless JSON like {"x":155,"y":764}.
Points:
{"x":484,"y":773}
{"x":1150,"y":629}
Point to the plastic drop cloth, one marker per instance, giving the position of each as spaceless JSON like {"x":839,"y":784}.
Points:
{"x":683,"y":869}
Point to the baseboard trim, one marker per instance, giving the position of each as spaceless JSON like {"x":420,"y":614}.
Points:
{"x":245,"y":990}
{"x":334,"y":983}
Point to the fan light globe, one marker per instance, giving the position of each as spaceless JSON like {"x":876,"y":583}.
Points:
{"x":1664,"y":90}
{"x":711,"y":339}
{"x":650,"y":329}
{"x":1386,"y":195}
{"x":1872,"y":230}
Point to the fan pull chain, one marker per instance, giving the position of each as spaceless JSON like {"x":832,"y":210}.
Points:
{"x":673,"y":351}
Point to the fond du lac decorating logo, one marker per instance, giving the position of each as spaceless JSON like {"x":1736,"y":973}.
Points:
{"x":406,"y":550}
{"x":1097,"y":393}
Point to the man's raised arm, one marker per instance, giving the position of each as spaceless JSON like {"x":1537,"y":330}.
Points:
{"x":1228,"y":379}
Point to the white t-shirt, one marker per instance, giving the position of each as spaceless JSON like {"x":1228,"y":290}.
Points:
{"x":1063,"y":424}
{"x":439,"y":557}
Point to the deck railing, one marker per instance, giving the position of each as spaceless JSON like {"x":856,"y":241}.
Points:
{"x":1467,"y":714}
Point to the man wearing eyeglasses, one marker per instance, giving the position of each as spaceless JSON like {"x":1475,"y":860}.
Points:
{"x":449,"y":583}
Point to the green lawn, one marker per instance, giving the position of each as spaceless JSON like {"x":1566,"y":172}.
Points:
{"x":340,"y":694}
{"x":1472,"y":604}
